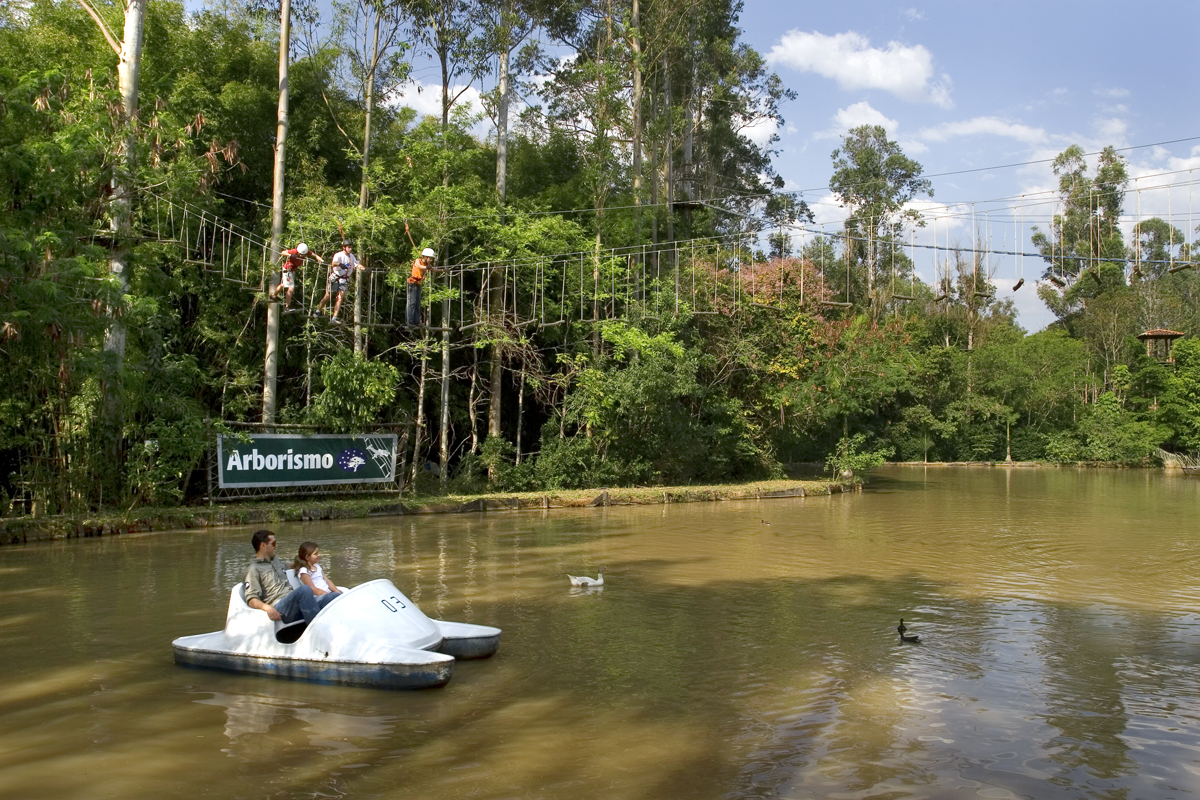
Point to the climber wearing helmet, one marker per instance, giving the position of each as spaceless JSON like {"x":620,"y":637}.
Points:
{"x":287,"y":276}
{"x":420,"y":267}
{"x":339,"y":279}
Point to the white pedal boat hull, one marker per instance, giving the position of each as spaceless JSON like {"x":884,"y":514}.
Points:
{"x":371,"y":636}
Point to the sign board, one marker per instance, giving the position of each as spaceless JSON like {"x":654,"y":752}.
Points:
{"x":264,"y":460}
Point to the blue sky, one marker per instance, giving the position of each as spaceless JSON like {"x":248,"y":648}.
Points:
{"x":962,"y":87}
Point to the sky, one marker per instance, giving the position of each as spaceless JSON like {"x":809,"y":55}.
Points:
{"x":984,"y":97}
{"x":963,"y":86}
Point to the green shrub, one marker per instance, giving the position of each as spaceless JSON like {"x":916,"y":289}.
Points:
{"x":356,"y":393}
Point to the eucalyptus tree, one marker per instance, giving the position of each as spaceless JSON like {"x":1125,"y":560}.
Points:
{"x":371,"y":32}
{"x":1163,"y":275}
{"x":449,"y":31}
{"x":508,"y":28}
{"x":376,"y":53}
{"x":874,"y":180}
{"x":737,"y":113}
{"x":586,"y":97}
{"x":271,"y":358}
{"x":1157,"y":247}
{"x":1085,"y":233}
{"x":129,"y":61}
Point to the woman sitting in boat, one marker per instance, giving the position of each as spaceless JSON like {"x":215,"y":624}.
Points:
{"x":309,"y":571}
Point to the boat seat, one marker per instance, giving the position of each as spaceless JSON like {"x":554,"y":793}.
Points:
{"x":285,"y":632}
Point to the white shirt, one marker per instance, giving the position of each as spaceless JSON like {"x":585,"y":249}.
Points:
{"x":342,"y":263}
{"x":318,"y":577}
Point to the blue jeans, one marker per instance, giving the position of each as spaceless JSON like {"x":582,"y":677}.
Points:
{"x":302,"y":603}
{"x":413,"y":315}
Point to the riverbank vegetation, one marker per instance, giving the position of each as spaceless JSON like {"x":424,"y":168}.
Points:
{"x":627,"y":301}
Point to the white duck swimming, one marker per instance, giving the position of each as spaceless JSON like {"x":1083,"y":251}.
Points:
{"x":584,"y":580}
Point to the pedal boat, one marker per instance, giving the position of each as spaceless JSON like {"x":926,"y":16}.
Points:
{"x":370,"y":636}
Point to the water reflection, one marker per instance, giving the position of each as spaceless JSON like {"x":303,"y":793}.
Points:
{"x":331,"y":733}
{"x":724,"y":658}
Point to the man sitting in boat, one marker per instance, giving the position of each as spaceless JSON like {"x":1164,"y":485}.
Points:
{"x":268,"y":589}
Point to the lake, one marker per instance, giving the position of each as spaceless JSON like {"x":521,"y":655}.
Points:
{"x":737,"y":650}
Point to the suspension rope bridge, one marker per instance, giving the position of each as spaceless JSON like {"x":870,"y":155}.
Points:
{"x":647,"y":281}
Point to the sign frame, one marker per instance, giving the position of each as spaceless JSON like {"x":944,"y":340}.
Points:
{"x":342,"y":456}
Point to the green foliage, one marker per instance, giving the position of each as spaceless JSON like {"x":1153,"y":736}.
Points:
{"x":161,"y":467}
{"x":1112,"y":434}
{"x":1181,"y":400}
{"x":499,"y":457}
{"x":850,"y":459}
{"x":579,"y":462}
{"x":356,"y":393}
{"x":1064,"y":447}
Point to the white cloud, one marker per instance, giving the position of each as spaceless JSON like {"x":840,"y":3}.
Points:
{"x":1192,"y":162}
{"x":848,"y":58}
{"x":759,"y":131}
{"x":913,"y":14}
{"x":853,"y":116}
{"x":426,"y":100}
{"x":984,"y":126}
{"x":828,"y":213}
{"x":1114,"y":92}
{"x":1112,"y":131}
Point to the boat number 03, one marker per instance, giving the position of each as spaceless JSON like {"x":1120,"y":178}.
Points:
{"x":393,"y":599}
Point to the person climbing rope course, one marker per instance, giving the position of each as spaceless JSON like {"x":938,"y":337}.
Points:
{"x":339,"y":279}
{"x":293,"y":259}
{"x":421,"y":266}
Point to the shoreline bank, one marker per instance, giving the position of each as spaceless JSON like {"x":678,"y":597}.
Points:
{"x":23,"y":530}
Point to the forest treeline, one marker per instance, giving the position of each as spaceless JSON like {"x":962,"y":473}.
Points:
{"x":623,"y":301}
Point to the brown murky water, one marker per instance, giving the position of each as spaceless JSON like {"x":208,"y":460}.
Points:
{"x":725,"y":658}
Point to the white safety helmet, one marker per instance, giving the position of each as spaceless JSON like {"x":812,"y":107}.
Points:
{"x":428,"y":253}
{"x":302,"y":249}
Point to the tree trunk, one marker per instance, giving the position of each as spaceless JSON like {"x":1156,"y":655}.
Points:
{"x":636,"y":45}
{"x":596,"y":288}
{"x":443,"y":59}
{"x":495,"y":294}
{"x":271,"y":367}
{"x":472,"y":401}
{"x":444,"y":421}
{"x":654,"y":180}
{"x":121,"y":221}
{"x":871,"y":269}
{"x":364,"y":193}
{"x":520,"y":411}
{"x":419,"y":426}
{"x":129,"y":59}
{"x":402,"y":449}
{"x":495,"y":376}
{"x":502,"y":109}
{"x":689,"y":131}
{"x":668,"y":149}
